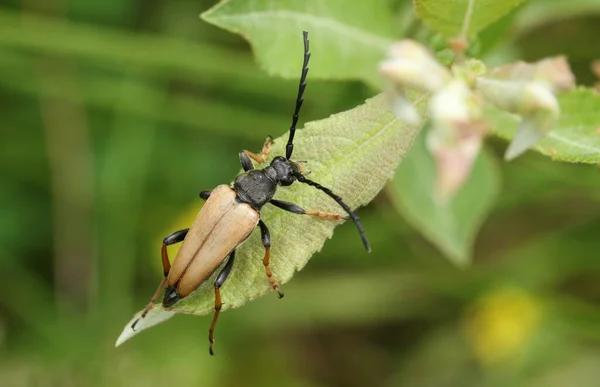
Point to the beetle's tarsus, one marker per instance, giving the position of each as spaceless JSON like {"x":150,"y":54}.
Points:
{"x":324,"y":215}
{"x":260,"y":158}
{"x":276,"y":287}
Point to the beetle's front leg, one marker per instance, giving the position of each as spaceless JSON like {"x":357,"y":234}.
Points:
{"x":263,"y":154}
{"x":246,"y":162}
{"x":218,"y":304}
{"x":176,"y":237}
{"x":266,"y":241}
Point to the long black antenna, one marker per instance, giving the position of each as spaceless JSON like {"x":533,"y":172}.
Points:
{"x":289,"y":148}
{"x":339,"y":201}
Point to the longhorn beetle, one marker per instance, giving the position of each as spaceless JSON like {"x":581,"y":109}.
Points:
{"x":229,"y":216}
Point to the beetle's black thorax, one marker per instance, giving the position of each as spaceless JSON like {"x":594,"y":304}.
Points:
{"x":258,"y":186}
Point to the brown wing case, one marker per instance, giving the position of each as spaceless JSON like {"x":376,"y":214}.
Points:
{"x":221,"y":226}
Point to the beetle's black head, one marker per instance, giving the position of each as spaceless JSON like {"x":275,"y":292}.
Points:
{"x":286,"y":170}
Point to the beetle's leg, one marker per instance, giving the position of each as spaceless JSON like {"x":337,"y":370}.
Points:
{"x":296,"y":209}
{"x":263,"y":154}
{"x":218,"y":304}
{"x":176,"y":237}
{"x":246,"y":162}
{"x":205,"y":194}
{"x":266,"y":241}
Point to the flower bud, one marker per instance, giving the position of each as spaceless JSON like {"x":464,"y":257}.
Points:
{"x":553,"y":72}
{"x":518,"y":97}
{"x":534,"y":101}
{"x":456,"y":135}
{"x":411,"y":65}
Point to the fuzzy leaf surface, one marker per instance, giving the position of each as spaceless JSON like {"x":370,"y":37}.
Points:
{"x":355,"y":153}
{"x":576,"y":137}
{"x":448,"y":16}
{"x":347,"y":38}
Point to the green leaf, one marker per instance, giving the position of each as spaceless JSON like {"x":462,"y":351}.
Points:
{"x":347,"y":38}
{"x":576,"y":137}
{"x":450,"y":17}
{"x":354,"y":153}
{"x":538,"y":13}
{"x":450,"y":225}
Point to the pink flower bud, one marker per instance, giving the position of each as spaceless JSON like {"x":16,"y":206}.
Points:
{"x":553,"y":72}
{"x":456,"y":135}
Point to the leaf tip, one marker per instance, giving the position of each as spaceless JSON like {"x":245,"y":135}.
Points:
{"x":206,"y":14}
{"x":462,"y":262}
{"x":517,"y":148}
{"x":528,"y":134}
{"x":154,"y":316}
{"x":460,"y":256}
{"x":121,"y":339}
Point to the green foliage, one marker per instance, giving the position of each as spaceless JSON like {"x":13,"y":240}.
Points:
{"x":451,"y":17}
{"x":576,"y":137}
{"x":374,"y":141}
{"x":114,"y":48}
{"x":348,"y":38}
{"x":451,"y":225}
{"x":540,"y":12}
{"x":116,"y":114}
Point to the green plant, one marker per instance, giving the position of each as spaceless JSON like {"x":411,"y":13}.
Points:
{"x":447,"y":184}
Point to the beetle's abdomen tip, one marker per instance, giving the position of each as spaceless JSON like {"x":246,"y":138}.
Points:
{"x":171,"y":296}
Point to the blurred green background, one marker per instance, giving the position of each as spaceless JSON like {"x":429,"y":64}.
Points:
{"x":115,"y":114}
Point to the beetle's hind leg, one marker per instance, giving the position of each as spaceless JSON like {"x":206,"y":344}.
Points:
{"x":218,"y":304}
{"x":266,"y":241}
{"x":296,"y":209}
{"x":263,"y":154}
{"x":176,"y":237}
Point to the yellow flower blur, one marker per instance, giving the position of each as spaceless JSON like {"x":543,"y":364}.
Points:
{"x":500,"y":324}
{"x":184,"y":220}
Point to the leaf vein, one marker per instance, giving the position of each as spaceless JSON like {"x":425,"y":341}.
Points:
{"x":573,"y":144}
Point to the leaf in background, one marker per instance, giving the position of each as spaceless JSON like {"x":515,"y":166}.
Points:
{"x":450,"y":225}
{"x":448,"y":17}
{"x":347,"y":38}
{"x":121,"y":49}
{"x":541,"y":12}
{"x":354,"y":153}
{"x":576,"y":136}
